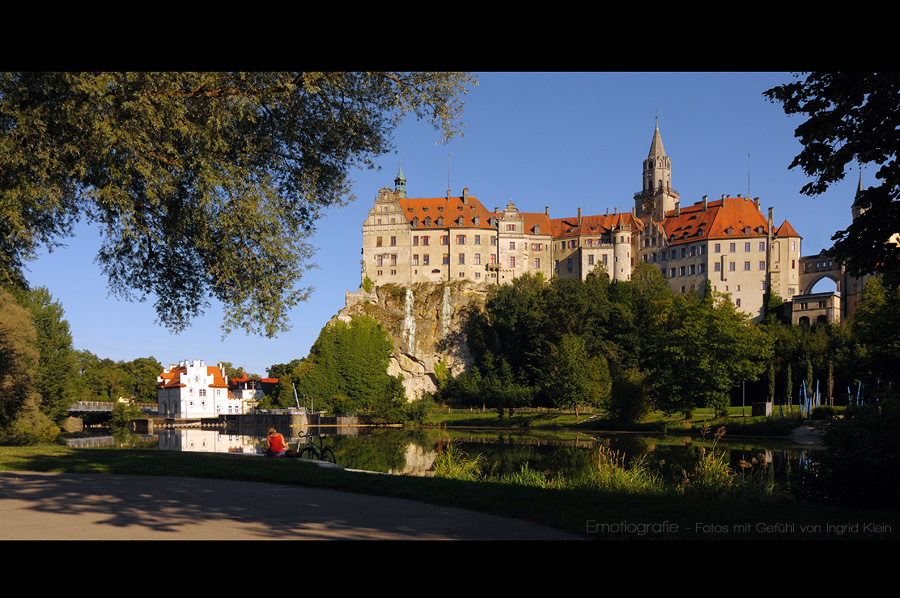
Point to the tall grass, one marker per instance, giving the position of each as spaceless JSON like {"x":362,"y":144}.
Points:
{"x":709,"y":477}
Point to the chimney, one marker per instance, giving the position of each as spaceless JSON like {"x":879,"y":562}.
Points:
{"x":465,"y":197}
{"x":677,"y":208}
{"x":579,"y":216}
{"x":547,"y":210}
{"x":756,"y":202}
{"x":704,"y":203}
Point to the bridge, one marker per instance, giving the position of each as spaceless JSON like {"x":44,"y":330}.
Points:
{"x":104,"y":406}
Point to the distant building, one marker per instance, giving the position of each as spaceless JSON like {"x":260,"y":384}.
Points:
{"x":192,"y":389}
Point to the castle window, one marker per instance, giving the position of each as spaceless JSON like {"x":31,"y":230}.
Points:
{"x":377,"y":241}
{"x":477,"y":259}
{"x":426,"y":240}
{"x":425,"y":260}
{"x":478,"y":239}
{"x":462,"y":258}
{"x":762,"y":264}
{"x":415,"y":259}
{"x":460,"y":239}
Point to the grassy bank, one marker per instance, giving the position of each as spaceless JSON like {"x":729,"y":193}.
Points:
{"x":738,"y":421}
{"x":587,"y":512}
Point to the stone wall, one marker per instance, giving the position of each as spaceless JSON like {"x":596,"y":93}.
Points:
{"x":426,"y":322}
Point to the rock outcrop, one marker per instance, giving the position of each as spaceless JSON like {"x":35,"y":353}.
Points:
{"x":427,"y":323}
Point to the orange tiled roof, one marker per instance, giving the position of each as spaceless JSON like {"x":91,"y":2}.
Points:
{"x":537,"y":221}
{"x":426,"y":213}
{"x":786,"y":230}
{"x":593,"y":225}
{"x":728,"y":218}
{"x":172,"y":378}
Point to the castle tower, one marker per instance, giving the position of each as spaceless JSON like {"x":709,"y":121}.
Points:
{"x":657,"y":196}
{"x":400,"y":184}
{"x":855,"y":210}
{"x":620,"y":236}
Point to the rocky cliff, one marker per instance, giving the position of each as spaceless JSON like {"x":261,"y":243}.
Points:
{"x":427,"y":323}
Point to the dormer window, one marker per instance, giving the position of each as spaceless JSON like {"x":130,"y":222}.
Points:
{"x":440,"y":221}
{"x":537,"y":229}
{"x":476,"y":220}
{"x":460,"y":221}
{"x":415,"y":222}
{"x":428,"y":221}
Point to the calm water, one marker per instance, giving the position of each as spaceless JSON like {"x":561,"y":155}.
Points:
{"x":412,"y":451}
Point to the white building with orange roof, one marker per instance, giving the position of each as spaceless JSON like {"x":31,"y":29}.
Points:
{"x":192,"y":389}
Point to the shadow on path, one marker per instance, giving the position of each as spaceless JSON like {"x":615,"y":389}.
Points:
{"x":55,"y":506}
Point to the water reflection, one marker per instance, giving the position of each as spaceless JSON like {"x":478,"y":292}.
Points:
{"x":412,"y":451}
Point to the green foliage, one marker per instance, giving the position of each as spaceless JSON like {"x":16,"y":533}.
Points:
{"x":350,"y":361}
{"x":878,"y":326}
{"x":453,"y":462}
{"x":862,"y":465}
{"x":852,"y":118}
{"x":54,"y":373}
{"x":123,"y":413}
{"x":204,"y":185}
{"x":19,"y":398}
{"x":367,"y":285}
{"x":701,"y":350}
{"x":629,"y":401}
{"x":107,"y":380}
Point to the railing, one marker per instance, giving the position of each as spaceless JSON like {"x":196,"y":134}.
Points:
{"x":101,"y":406}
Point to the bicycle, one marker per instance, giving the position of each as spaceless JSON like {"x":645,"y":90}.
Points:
{"x":315,"y":451}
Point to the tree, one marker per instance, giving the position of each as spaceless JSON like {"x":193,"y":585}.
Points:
{"x":205,"y":185}
{"x":350,"y":360}
{"x":878,"y":326}
{"x":568,"y":378}
{"x":54,"y":373}
{"x":702,"y":350}
{"x":852,"y":116}
{"x":21,"y":419}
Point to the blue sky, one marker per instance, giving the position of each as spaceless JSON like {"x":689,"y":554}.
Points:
{"x":563,"y":140}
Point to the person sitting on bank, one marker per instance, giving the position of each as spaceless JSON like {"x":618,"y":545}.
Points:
{"x":275,"y":444}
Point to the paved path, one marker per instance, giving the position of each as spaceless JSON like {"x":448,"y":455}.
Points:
{"x":55,"y":506}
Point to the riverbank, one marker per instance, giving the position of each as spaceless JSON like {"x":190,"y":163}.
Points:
{"x":590,"y":515}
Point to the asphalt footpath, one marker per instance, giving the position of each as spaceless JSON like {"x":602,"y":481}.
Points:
{"x":57,"y":506}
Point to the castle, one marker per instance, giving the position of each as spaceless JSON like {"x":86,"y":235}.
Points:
{"x":728,"y":242}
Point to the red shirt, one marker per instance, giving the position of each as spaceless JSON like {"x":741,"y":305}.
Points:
{"x":276,"y":443}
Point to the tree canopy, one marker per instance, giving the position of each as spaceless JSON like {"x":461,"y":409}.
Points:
{"x":852,"y":116}
{"x":205,"y":185}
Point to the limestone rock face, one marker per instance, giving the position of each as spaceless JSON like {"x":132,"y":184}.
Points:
{"x":426,"y":322}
